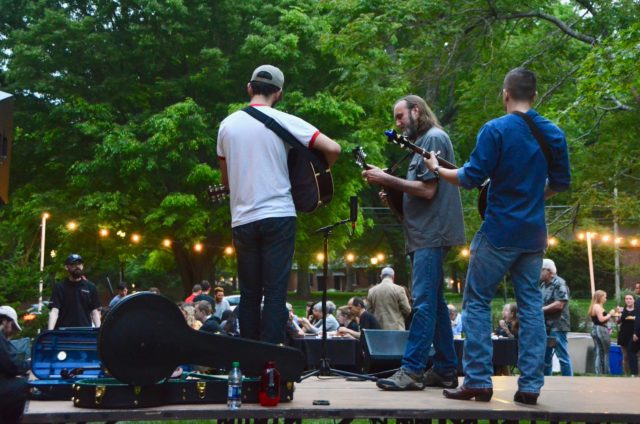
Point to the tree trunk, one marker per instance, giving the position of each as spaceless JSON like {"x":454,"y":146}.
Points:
{"x":303,"y":282}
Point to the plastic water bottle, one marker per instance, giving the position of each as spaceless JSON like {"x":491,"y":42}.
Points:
{"x":234,"y":390}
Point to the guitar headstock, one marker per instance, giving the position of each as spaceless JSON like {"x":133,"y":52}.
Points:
{"x":359,"y":156}
{"x":395,"y":138}
{"x":217,"y":193}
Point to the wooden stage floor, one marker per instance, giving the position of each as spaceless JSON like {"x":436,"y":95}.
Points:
{"x":589,"y":399}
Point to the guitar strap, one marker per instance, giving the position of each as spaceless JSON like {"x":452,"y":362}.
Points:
{"x":285,"y":135}
{"x":537,"y":134}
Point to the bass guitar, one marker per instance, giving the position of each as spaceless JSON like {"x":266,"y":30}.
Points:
{"x":393,"y":197}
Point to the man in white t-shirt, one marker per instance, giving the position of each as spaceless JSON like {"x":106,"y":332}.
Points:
{"x":253,"y":162}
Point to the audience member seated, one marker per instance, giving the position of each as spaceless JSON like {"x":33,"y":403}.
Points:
{"x":456,"y":321}
{"x":316,"y":327}
{"x":188,"y":310}
{"x":508,"y":325}
{"x":365,"y":319}
{"x":347,"y":320}
{"x":203,"y":313}
{"x":293,"y":328}
{"x":309,"y":313}
{"x":507,"y":328}
{"x":230,"y":323}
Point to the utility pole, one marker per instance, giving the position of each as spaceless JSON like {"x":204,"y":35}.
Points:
{"x":616,"y":243}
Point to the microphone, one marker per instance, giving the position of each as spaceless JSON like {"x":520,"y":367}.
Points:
{"x":353,"y":204}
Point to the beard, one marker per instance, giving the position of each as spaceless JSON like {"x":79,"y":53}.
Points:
{"x":411,"y":130}
{"x":76,"y":273}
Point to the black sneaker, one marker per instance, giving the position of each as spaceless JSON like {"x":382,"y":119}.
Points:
{"x":433,"y":379}
{"x":401,"y":380}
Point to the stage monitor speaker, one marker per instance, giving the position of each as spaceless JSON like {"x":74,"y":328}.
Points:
{"x":6,"y":137}
{"x":383,"y":349}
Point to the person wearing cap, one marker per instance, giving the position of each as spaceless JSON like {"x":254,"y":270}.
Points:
{"x":13,"y":389}
{"x":123,"y":289}
{"x":555,"y":298}
{"x":74,"y":302}
{"x":432,"y":223}
{"x":388,"y":302}
{"x":253,"y":164}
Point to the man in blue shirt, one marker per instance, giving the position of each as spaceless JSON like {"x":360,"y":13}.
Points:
{"x":512,"y":237}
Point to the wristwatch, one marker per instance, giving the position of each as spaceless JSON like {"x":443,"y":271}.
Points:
{"x":436,"y":171}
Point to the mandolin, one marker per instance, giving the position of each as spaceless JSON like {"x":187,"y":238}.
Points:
{"x":394,"y":197}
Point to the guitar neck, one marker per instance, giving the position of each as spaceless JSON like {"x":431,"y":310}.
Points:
{"x":442,"y":162}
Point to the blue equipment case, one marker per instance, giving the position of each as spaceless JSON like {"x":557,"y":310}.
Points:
{"x":59,"y":358}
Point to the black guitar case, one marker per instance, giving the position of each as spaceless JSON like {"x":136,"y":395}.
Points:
{"x":145,"y":337}
{"x":192,"y":388}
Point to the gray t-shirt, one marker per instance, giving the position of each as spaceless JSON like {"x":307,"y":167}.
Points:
{"x":437,"y":222}
{"x":556,"y":290}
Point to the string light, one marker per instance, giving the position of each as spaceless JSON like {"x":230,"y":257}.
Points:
{"x":350,"y":257}
{"x":167,"y":242}
{"x":198,"y":247}
{"x":374,"y":261}
{"x":103,"y":232}
{"x":320,"y":257}
{"x":608,"y":238}
{"x":553,"y":241}
{"x":228,"y":250}
{"x":72,"y":225}
{"x":136,"y":238}
{"x":380,"y":257}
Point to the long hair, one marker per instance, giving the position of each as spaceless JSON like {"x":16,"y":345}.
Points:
{"x":596,"y":298}
{"x":426,"y":118}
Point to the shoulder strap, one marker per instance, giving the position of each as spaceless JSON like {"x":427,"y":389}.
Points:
{"x":537,"y":135}
{"x":285,"y":135}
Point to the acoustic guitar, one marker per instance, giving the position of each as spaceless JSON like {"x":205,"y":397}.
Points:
{"x":309,"y":173}
{"x":393,"y":197}
{"x":145,"y":337}
{"x":217,"y":193}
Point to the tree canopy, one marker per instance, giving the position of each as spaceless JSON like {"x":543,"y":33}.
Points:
{"x":118,"y":104}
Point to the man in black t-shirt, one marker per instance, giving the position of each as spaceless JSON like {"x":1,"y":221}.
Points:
{"x":366,"y":320}
{"x":74,"y":302}
{"x":206,"y":289}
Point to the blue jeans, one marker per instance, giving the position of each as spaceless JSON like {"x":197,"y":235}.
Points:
{"x":487,"y":266}
{"x":430,"y":323}
{"x":264,"y":250}
{"x":562,"y":352}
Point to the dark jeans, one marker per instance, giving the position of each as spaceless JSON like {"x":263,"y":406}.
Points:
{"x":632,"y":352}
{"x":264,"y":251}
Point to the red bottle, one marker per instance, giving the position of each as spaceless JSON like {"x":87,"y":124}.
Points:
{"x":269,"y":394}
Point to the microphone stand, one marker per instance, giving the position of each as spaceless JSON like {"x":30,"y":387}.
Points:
{"x":324,"y":368}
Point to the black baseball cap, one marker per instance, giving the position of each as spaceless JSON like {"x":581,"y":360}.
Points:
{"x":73,"y":258}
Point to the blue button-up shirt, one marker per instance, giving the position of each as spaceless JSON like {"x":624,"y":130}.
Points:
{"x":508,"y":153}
